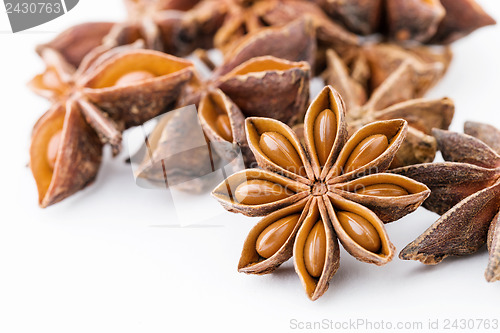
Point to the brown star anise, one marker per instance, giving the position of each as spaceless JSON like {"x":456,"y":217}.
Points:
{"x":313,"y":194}
{"x":92,"y":104}
{"x":424,"y":21}
{"x":399,"y":77}
{"x":466,"y":192}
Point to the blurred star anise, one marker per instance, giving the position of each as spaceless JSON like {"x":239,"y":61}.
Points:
{"x":399,"y":78}
{"x":162,"y":24}
{"x":424,"y":21}
{"x":466,"y":192}
{"x":109,"y":92}
{"x":313,"y":194}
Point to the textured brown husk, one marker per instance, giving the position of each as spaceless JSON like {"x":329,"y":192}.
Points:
{"x":289,"y":88}
{"x":224,"y":148}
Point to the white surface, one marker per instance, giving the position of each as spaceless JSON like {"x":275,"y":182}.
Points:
{"x":112,"y":258}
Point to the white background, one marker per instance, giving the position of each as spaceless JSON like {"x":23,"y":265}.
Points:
{"x":113,"y":258}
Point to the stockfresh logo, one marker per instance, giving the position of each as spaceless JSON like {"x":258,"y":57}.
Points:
{"x":24,"y":14}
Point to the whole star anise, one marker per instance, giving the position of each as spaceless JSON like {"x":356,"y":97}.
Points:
{"x":111,"y":91}
{"x":313,"y":194}
{"x":466,"y":192}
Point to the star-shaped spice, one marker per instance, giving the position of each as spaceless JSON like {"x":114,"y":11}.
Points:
{"x":424,"y":21}
{"x":109,"y":92}
{"x":466,"y":192}
{"x":399,"y":78}
{"x":331,"y":188}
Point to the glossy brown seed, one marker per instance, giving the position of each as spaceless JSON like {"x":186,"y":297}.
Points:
{"x":53,"y":148}
{"x":315,"y":250}
{"x":325,"y":129}
{"x":258,"y":192}
{"x":279,"y":150}
{"x":366,"y":151}
{"x":383,"y":190}
{"x":360,"y":230}
{"x":132,"y":77}
{"x":275,"y":235}
{"x":223,"y":127}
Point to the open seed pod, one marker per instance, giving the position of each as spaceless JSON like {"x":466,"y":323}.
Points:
{"x":65,"y":154}
{"x":114,"y":88}
{"x":287,"y":82}
{"x":387,"y":195}
{"x":316,"y":251}
{"x":372,"y":244}
{"x":273,"y":41}
{"x":270,"y":242}
{"x":223,"y":123}
{"x":319,"y":179}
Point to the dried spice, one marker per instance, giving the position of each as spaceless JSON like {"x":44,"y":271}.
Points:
{"x":430,"y":22}
{"x":313,"y":194}
{"x":400,"y":78}
{"x":466,"y":192}
{"x":92,"y":104}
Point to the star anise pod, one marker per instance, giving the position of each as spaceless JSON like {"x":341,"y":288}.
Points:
{"x":400,"y":78}
{"x":331,"y":188}
{"x":466,"y":192}
{"x":424,"y":21}
{"x":92,"y":104}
